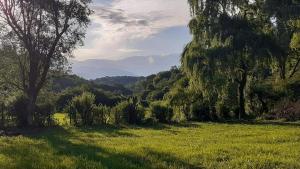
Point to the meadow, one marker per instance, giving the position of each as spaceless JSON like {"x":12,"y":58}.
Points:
{"x":186,"y":146}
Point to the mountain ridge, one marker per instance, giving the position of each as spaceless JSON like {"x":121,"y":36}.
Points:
{"x":130,"y":66}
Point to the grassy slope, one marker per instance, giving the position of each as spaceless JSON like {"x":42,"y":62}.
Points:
{"x":197,"y":145}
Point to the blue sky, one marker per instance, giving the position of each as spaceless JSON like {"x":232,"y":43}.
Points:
{"x":123,"y":28}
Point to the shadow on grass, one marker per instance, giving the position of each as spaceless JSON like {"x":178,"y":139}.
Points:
{"x":60,"y":142}
{"x":107,"y":130}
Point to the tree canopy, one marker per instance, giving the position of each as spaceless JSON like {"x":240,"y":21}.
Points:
{"x":44,"y":32}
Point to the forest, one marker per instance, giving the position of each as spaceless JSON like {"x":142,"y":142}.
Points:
{"x":237,"y":87}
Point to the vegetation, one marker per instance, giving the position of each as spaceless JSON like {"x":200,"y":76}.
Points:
{"x":242,"y":63}
{"x":235,"y":45}
{"x":239,"y":73}
{"x":45,"y":33}
{"x":126,"y":81}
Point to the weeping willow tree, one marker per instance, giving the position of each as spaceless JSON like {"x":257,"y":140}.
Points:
{"x":295,"y":49}
{"x":230,"y":45}
{"x":284,"y":27}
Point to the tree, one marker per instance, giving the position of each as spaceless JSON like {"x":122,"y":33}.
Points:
{"x":295,"y":48}
{"x":282,"y":17}
{"x":44,"y":32}
{"x":229,"y":44}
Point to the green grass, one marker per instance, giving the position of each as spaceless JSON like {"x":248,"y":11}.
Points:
{"x":195,"y":145}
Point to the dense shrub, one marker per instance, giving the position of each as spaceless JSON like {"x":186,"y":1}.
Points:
{"x":178,"y":115}
{"x":65,"y":97}
{"x":286,"y":109}
{"x":223,"y":111}
{"x":101,"y":114}
{"x":128,"y":112}
{"x":80,"y":109}
{"x":17,"y":106}
{"x":276,"y":100}
{"x":43,"y":114}
{"x":101,"y":97}
{"x":200,"y":111}
{"x":161,"y":112}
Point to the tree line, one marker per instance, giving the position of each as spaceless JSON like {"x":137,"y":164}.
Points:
{"x":242,"y":63}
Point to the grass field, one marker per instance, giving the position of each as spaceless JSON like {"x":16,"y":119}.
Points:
{"x":190,"y":146}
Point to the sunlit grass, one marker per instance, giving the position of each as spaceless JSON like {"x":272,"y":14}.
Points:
{"x":61,"y":119}
{"x":196,"y":145}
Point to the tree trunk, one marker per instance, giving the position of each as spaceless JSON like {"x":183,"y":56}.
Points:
{"x":282,"y":68}
{"x":33,"y":88}
{"x":264,"y":106}
{"x":31,"y":107}
{"x":241,"y":92}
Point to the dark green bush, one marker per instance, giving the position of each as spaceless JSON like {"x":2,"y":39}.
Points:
{"x":200,"y":111}
{"x":128,"y":112}
{"x":161,"y":112}
{"x":43,"y":114}
{"x":80,"y":109}
{"x":101,"y":97}
{"x":17,"y":105}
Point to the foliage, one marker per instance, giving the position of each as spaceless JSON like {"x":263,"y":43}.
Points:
{"x":161,"y":111}
{"x":128,"y":112}
{"x":237,"y":45}
{"x":44,"y":34}
{"x":200,"y":111}
{"x":43,"y":114}
{"x":16,"y":105}
{"x":286,"y":109}
{"x":126,"y":81}
{"x":101,"y":97}
{"x":80,"y":109}
{"x":154,"y":87}
{"x":101,"y":115}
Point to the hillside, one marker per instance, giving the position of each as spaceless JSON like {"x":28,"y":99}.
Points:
{"x":63,"y":82}
{"x":121,"y":80}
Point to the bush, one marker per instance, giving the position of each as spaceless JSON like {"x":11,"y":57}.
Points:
{"x":200,"y":111}
{"x":17,"y":105}
{"x":223,"y":110}
{"x":288,"y":110}
{"x":178,"y":115}
{"x":101,"y":97}
{"x":101,"y":114}
{"x":161,"y":112}
{"x":82,"y":106}
{"x":150,"y":121}
{"x":43,"y":114}
{"x":128,"y":112}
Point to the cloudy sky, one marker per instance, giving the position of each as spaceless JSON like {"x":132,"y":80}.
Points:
{"x":123,"y":28}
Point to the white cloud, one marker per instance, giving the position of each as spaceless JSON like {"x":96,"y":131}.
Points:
{"x":128,"y":50}
{"x":114,"y":26}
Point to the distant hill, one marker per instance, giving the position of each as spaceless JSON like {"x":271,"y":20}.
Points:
{"x":122,"y":80}
{"x":63,"y":82}
{"x":131,"y":66}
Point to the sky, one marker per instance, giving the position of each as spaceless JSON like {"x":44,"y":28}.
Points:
{"x":124,"y":28}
